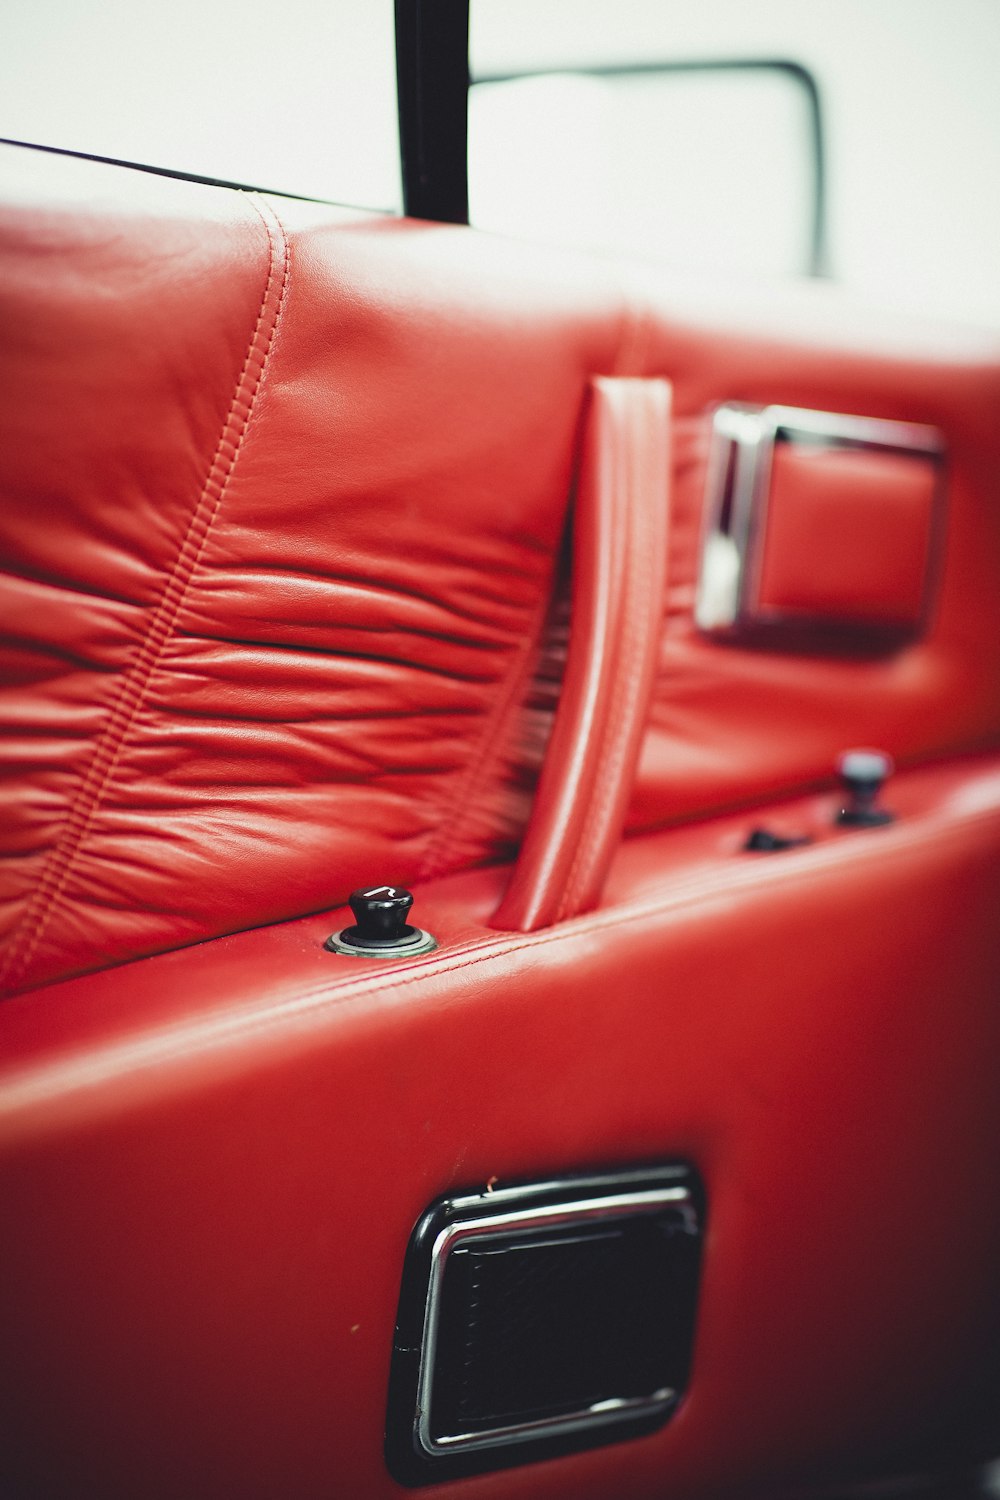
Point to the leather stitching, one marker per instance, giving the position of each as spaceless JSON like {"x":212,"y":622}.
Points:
{"x":135,"y":683}
{"x":316,"y":1002}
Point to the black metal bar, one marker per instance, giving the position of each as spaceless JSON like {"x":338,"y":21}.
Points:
{"x":432,"y":76}
{"x":138,"y":166}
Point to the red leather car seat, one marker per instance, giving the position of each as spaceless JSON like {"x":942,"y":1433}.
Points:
{"x":282,"y":511}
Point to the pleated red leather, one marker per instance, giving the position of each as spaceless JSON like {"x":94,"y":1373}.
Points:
{"x":299,"y":550}
{"x":620,"y":528}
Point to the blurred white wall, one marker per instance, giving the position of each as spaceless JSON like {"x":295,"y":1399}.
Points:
{"x":298,"y":96}
{"x":705,"y":170}
{"x":301,"y":97}
{"x":911,"y":96}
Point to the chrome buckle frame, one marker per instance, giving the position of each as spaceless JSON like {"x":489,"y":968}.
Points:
{"x":737,"y":488}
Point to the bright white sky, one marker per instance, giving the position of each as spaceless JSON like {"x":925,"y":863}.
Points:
{"x":302,"y":97}
{"x":299,"y":97}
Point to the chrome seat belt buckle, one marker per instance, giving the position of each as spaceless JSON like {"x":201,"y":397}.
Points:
{"x":818,"y":523}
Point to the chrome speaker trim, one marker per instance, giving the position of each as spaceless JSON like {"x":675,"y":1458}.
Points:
{"x":425,"y":1441}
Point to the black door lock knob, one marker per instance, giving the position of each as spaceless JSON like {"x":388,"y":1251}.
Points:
{"x":380,"y":913}
{"x":863,"y":774}
{"x":381,"y":929}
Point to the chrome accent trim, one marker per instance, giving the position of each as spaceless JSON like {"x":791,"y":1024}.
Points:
{"x":423,"y":943}
{"x":617,"y":1182}
{"x":611,"y":1206}
{"x":738,"y":484}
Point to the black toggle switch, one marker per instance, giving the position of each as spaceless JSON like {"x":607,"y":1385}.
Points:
{"x":766,"y":841}
{"x":380,"y":927}
{"x":864,"y":773}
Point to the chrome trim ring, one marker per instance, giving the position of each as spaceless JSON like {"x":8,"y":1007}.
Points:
{"x":424,"y":943}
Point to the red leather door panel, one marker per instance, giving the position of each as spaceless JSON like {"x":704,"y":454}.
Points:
{"x":285,"y":492}
{"x":208,"y":1195}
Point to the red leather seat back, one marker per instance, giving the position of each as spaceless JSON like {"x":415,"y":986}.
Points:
{"x":280,"y":526}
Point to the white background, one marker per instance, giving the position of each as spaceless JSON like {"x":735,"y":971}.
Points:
{"x":300,"y":96}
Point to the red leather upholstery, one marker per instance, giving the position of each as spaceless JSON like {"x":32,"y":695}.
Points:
{"x":849,"y":537}
{"x":302,"y":490}
{"x":729,"y":723}
{"x":273,"y":635}
{"x":283,"y":493}
{"x":211,"y":1161}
